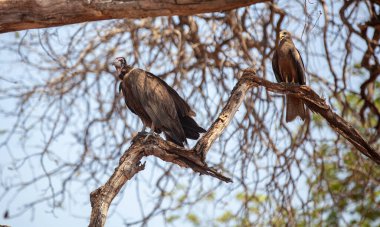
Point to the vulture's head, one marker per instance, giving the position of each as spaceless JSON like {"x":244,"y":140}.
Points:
{"x":285,"y":35}
{"x":119,"y":64}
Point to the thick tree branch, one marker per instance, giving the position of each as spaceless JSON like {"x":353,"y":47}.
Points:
{"x":28,"y":14}
{"x":130,"y":163}
{"x":225,"y":117}
{"x":315,"y":103}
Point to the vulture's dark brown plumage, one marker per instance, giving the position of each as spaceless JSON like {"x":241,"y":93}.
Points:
{"x":157,"y":104}
{"x":288,"y":68}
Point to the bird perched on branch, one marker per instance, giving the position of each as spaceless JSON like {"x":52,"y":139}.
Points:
{"x":157,"y":104}
{"x":288,"y":68}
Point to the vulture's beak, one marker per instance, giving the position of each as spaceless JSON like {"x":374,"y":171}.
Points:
{"x":117,"y":64}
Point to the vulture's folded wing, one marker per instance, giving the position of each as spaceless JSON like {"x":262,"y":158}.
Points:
{"x":181,"y":105}
{"x":157,"y":102}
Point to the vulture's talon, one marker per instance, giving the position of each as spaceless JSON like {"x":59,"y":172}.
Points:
{"x":149,"y":134}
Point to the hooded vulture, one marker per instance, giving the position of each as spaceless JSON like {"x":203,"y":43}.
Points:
{"x":157,"y":104}
{"x":288,"y":68}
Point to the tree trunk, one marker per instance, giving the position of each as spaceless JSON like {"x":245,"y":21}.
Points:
{"x":28,"y":14}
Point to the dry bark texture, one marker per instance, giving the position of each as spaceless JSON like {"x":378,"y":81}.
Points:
{"x":130,"y":163}
{"x":27,"y":14}
{"x":318,"y":105}
{"x":59,"y":89}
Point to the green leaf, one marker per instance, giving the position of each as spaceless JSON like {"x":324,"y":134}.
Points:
{"x":225,"y":217}
{"x":172,"y":218}
{"x":357,"y":66}
{"x":318,"y":120}
{"x":210,"y":196}
{"x":182,"y":198}
{"x":193,"y":219}
{"x":261,"y":198}
{"x":240,"y":196}
{"x":336,"y":186}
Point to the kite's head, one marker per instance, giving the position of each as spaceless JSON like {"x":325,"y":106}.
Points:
{"x":285,"y":35}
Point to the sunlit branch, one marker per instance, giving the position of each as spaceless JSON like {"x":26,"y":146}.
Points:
{"x":130,"y":163}
{"x":317,"y":104}
{"x":25,"y":14}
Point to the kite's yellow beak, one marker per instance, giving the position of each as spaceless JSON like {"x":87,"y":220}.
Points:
{"x":282,"y":35}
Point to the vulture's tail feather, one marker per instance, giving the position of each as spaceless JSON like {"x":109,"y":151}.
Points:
{"x":191,"y":128}
{"x":174,"y":140}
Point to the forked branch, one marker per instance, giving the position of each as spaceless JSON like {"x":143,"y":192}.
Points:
{"x":318,"y":105}
{"x":130,"y":162}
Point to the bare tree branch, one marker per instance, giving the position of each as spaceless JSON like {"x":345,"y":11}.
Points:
{"x":130,"y":163}
{"x":225,"y":117}
{"x":26,"y":14}
{"x":317,"y":104}
{"x":59,"y":93}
